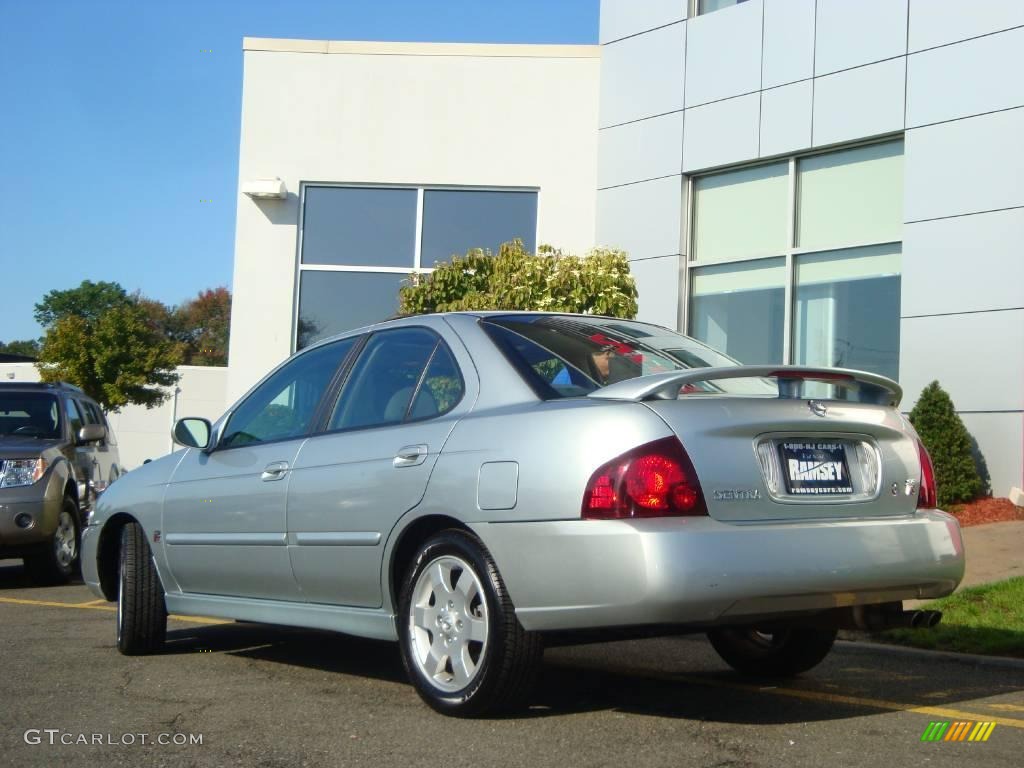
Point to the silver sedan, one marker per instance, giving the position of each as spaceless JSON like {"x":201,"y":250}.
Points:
{"x":474,"y":485}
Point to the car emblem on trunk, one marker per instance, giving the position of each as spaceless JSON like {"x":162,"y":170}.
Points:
{"x":818,"y":409}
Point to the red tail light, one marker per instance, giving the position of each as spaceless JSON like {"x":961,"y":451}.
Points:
{"x":927,"y":497}
{"x":654,"y":480}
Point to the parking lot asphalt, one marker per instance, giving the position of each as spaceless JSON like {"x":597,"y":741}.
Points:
{"x":260,"y":695}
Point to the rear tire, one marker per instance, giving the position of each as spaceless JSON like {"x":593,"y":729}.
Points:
{"x":141,"y":612}
{"x":462,"y":646}
{"x":57,"y":561}
{"x":784,"y":653}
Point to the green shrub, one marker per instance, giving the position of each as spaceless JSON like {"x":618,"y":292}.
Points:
{"x":949,"y":444}
{"x":598,"y":283}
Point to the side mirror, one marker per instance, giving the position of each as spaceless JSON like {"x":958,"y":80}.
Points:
{"x":91,"y":433}
{"x":192,"y":433}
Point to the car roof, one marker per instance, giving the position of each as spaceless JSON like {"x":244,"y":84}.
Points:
{"x":45,"y":386}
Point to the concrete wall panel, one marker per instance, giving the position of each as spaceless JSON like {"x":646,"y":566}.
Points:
{"x":965,"y":166}
{"x":641,"y":219}
{"x":940,"y":22}
{"x":657,"y":282}
{"x":786,"y":119}
{"x":849,"y":34}
{"x":858,"y":103}
{"x":966,"y":78}
{"x":721,"y":133}
{"x":640,"y":151}
{"x":723,"y":53}
{"x":642,"y":76}
{"x":788,"y":42}
{"x":620,"y":18}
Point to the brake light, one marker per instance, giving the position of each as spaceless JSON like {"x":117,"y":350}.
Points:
{"x":927,"y":497}
{"x":654,"y":480}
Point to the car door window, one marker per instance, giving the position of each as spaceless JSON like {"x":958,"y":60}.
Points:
{"x":74,"y":417}
{"x":384,"y":380}
{"x":284,"y":405}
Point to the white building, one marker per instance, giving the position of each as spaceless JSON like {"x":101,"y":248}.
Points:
{"x":807,"y":181}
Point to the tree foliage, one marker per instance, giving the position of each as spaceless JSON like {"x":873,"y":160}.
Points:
{"x":204,"y":324}
{"x":118,"y":358}
{"x":949,"y":444}
{"x":88,"y":301}
{"x":24,"y":347}
{"x":123,"y":348}
{"x":550,"y":280}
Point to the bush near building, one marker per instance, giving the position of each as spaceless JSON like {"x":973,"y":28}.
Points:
{"x":552,"y":281}
{"x":949,"y":444}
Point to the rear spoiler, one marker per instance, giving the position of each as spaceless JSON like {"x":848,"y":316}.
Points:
{"x":870,"y":387}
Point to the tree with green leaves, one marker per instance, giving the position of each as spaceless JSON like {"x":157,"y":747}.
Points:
{"x":88,"y":301}
{"x":550,"y":280}
{"x":23,"y":347}
{"x":949,"y":444}
{"x":107,"y":342}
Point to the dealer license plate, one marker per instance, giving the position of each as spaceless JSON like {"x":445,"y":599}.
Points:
{"x":814,"y":468}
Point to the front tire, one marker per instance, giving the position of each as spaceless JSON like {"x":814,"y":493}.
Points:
{"x":783,"y":653}
{"x":462,"y":646}
{"x":141,"y":612}
{"x":57,"y":561}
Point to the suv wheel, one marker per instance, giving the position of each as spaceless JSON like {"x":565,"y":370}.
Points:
{"x":462,"y":645}
{"x":782,"y":653}
{"x":141,"y":612}
{"x":57,"y":561}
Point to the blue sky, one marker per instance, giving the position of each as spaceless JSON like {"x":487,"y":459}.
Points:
{"x":115,"y":126}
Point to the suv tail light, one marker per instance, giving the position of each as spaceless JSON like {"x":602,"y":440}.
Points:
{"x":927,"y":497}
{"x":654,"y":480}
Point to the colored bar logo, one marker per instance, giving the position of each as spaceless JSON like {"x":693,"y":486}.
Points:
{"x":959,"y":730}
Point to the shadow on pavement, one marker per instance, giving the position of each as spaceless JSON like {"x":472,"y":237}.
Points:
{"x":673,"y":681}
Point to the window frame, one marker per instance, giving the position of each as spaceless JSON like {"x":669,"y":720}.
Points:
{"x":417,"y":267}
{"x":318,"y":412}
{"x":329,"y":405}
{"x":790,"y":252}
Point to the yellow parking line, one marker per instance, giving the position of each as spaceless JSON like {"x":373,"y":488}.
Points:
{"x":856,"y":701}
{"x":103,"y":605}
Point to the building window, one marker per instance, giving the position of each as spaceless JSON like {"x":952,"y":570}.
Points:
{"x":700,"y":7}
{"x":823,"y":230}
{"x":357,"y":245}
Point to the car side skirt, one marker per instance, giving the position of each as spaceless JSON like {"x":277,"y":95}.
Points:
{"x":363,"y":622}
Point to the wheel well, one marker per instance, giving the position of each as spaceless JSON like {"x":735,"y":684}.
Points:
{"x":409,"y":541}
{"x":71,"y":489}
{"x":108,"y":553}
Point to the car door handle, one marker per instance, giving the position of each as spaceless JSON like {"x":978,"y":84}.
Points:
{"x":274,"y":471}
{"x":410,"y":456}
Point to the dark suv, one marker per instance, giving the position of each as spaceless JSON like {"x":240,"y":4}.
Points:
{"x":57,"y":454}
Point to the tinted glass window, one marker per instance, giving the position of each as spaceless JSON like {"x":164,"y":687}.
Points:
{"x":456,"y":220}
{"x":359,"y":226}
{"x":32,"y":414}
{"x":74,"y":417}
{"x":384,"y":379}
{"x":284,"y":405}
{"x":334,"y":302}
{"x":563,"y":356}
{"x":441,"y":387}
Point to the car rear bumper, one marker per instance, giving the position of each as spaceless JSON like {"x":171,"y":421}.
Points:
{"x":587,"y":574}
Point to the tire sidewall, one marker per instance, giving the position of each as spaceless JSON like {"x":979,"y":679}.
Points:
{"x":469,"y":549}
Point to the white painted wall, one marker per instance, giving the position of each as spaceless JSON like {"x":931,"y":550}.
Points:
{"x":146,"y":433}
{"x":392,"y":113}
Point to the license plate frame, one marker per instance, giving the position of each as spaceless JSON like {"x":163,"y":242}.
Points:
{"x":815,"y":468}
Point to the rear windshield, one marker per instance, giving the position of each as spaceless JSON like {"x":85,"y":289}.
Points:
{"x":571,"y":356}
{"x":29,"y":414}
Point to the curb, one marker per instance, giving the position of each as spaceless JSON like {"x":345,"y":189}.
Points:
{"x":868,"y":646}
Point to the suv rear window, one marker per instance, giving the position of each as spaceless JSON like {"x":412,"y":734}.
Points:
{"x":570,"y":356}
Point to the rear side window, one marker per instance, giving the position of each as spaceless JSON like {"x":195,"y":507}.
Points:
{"x":404,"y":374}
